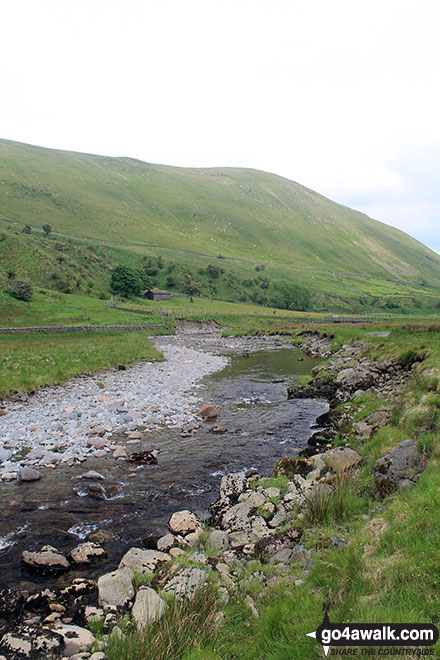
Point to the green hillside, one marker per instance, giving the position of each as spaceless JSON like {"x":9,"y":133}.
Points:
{"x":246,"y":216}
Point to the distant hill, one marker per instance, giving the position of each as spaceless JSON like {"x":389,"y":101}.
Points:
{"x":236,"y":213}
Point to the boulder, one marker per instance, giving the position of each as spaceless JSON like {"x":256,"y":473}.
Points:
{"x":183,"y":522}
{"x":341,"y":459}
{"x":76,"y":639}
{"x":166,"y":542}
{"x":253,"y":498}
{"x":84,"y":553}
{"x":148,"y":607}
{"x":218,"y":540}
{"x":270,"y":545}
{"x":47,"y":559}
{"x":399,"y":469}
{"x":24,"y":642}
{"x":28,"y":474}
{"x":237,"y":518}
{"x":208,"y":411}
{"x":186,"y":582}
{"x":115,"y":590}
{"x":143,"y":561}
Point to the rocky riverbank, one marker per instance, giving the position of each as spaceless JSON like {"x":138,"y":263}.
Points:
{"x":252,"y":524}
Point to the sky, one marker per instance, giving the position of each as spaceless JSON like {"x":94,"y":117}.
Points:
{"x":342,"y":96}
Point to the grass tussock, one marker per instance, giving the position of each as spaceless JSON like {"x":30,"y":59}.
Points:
{"x":184,"y":626}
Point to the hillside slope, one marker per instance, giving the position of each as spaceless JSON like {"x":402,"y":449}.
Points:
{"x":232,"y":212}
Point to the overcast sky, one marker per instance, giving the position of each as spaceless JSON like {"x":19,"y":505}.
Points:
{"x":342,"y":96}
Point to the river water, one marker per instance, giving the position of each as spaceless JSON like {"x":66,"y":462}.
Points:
{"x":262,"y":426}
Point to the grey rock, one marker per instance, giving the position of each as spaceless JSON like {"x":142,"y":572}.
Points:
{"x":218,"y":539}
{"x":186,"y":582}
{"x":76,"y":639}
{"x":143,"y":561}
{"x":269,"y":546}
{"x":341,"y":459}
{"x":237,"y":518}
{"x":148,"y":607}
{"x":28,"y":474}
{"x":232,"y":485}
{"x":296,"y":555}
{"x":115,"y":590}
{"x":399,"y":469}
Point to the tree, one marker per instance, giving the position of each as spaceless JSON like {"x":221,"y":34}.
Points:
{"x":47,"y":229}
{"x":21,"y":289}
{"x":126,"y":281}
{"x":286,"y":295}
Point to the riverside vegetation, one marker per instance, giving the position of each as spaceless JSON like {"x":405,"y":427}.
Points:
{"x":339,"y":526}
{"x":363,"y":537}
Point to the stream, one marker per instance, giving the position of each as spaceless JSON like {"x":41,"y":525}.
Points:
{"x":262,"y":426}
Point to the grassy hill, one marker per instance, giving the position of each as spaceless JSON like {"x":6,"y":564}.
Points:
{"x":189,"y":217}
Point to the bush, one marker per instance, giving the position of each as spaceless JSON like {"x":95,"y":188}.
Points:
{"x":47,"y":229}
{"x":126,"y":281}
{"x":21,"y":289}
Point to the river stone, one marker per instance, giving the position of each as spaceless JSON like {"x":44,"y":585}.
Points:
{"x":120,"y":452}
{"x":166,"y":542}
{"x":270,"y":545}
{"x":143,"y":561}
{"x":341,"y":458}
{"x":99,"y":655}
{"x":28,"y":474}
{"x":240,"y":539}
{"x":47,"y":558}
{"x":84,"y":553}
{"x":98,"y":443}
{"x":399,"y":468}
{"x":186,"y":582}
{"x":24,"y":642}
{"x":148,"y":607}
{"x":91,"y":474}
{"x":183,"y":522}
{"x":237,"y":518}
{"x":232,"y":485}
{"x":218,"y":540}
{"x":208,"y":411}
{"x":75,"y":638}
{"x":115,"y":590}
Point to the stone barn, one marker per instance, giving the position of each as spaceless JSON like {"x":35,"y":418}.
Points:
{"x":156,"y":294}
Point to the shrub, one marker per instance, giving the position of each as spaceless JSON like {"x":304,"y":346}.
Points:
{"x":47,"y":229}
{"x":21,"y":289}
{"x":126,"y":281}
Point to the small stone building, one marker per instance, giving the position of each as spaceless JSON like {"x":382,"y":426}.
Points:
{"x":156,"y":294}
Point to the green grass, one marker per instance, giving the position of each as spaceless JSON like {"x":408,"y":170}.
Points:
{"x":191,"y":216}
{"x":28,"y":362}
